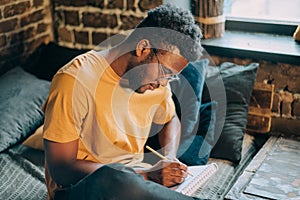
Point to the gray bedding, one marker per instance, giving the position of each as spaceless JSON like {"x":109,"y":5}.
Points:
{"x":22,"y":174}
{"x":218,"y":185}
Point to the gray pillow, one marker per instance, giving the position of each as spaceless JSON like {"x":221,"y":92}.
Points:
{"x":231,"y":116}
{"x":21,"y":96}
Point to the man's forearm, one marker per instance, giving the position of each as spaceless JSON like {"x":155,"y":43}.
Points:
{"x":63,"y":165}
{"x":169,"y":137}
{"x":65,"y":174}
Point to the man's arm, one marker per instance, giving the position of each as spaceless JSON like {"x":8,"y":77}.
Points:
{"x":167,"y":172}
{"x":63,"y":165}
{"x":66,"y":169}
{"x":169,"y":137}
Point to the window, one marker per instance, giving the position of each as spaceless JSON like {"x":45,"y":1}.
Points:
{"x":259,"y":29}
{"x":286,"y":11}
{"x":265,"y":16}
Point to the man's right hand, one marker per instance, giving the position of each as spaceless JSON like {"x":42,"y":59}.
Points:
{"x":167,"y":173}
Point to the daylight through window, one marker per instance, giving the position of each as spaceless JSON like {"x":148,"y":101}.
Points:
{"x":268,"y":10}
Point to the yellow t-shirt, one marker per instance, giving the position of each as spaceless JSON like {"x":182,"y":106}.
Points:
{"x":112,"y":123}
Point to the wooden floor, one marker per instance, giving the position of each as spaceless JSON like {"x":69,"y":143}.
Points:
{"x":274,"y":173}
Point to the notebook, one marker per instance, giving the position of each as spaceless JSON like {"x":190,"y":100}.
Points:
{"x":201,"y":174}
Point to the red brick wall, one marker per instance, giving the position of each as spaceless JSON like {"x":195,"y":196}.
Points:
{"x":24,"y":24}
{"x":86,"y":23}
{"x":286,"y":104}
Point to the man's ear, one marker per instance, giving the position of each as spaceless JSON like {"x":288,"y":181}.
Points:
{"x":143,"y":47}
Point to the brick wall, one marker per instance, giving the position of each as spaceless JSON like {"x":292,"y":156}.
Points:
{"x":286,"y":104}
{"x":83,"y":24}
{"x":86,"y":23}
{"x":24,"y":24}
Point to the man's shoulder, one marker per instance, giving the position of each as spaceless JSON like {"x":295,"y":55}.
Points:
{"x":86,"y":66}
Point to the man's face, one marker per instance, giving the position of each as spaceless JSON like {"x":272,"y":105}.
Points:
{"x":159,"y":68}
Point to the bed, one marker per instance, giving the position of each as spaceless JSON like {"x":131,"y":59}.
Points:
{"x":22,"y":173}
{"x":23,"y":90}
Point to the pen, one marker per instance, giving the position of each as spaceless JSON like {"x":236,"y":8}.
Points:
{"x":161,"y":156}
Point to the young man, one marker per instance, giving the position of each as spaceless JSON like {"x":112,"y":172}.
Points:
{"x":102,"y":104}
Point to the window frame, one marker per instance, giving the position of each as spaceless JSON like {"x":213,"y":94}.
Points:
{"x":261,"y":26}
{"x":239,"y":30}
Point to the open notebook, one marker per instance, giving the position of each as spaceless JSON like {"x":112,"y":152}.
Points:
{"x":201,"y":174}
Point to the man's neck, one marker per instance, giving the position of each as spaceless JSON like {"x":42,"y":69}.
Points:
{"x":117,"y":58}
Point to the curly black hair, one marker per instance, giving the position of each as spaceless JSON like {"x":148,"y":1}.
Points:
{"x":169,"y":25}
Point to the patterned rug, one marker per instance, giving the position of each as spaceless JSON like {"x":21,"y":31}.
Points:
{"x":22,"y":174}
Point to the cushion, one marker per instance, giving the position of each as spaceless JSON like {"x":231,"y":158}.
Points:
{"x":36,"y":140}
{"x":199,"y":147}
{"x":21,"y":96}
{"x":231,"y":86}
{"x":48,"y":58}
{"x":187,"y":93}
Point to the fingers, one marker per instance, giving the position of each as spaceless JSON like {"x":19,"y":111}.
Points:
{"x":170,"y":180}
{"x":178,"y":173}
{"x":168,"y":173}
{"x":174,"y":173}
{"x":180,"y":166}
{"x":175,"y":166}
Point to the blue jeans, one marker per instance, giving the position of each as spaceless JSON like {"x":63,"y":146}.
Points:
{"x":115,"y":181}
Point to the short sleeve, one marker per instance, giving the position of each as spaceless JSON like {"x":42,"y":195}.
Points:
{"x":166,"y":110}
{"x":64,"y":110}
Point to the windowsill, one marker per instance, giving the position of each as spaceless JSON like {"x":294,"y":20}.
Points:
{"x":257,"y":46}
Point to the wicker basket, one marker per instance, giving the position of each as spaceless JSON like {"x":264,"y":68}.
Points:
{"x":209,"y":15}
